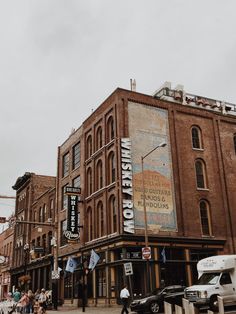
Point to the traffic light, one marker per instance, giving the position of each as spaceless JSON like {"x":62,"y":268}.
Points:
{"x":2,"y":220}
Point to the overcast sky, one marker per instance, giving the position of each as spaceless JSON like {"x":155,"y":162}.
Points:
{"x":60,"y":59}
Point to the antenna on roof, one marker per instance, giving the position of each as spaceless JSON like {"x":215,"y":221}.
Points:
{"x":133,"y":85}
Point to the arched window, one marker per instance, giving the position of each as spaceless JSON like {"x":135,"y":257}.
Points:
{"x":100,"y":220}
{"x":89,"y":146}
{"x":41,"y":214}
{"x":99,"y":138}
{"x":200,"y":169}
{"x":99,"y":177}
{"x":89,"y":181}
{"x":90,"y":224}
{"x":235,"y":143}
{"x":196,"y":137}
{"x":112,"y":214}
{"x":111,"y":169}
{"x":110,"y":129}
{"x":205,"y":218}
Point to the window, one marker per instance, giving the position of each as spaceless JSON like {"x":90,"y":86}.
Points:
{"x":99,"y":138}
{"x":205,"y":218}
{"x":111,"y":170}
{"x":110,"y":129}
{"x":200,"y":174}
{"x":101,"y":282}
{"x":99,"y":177}
{"x":225,"y":279}
{"x":76,"y":182}
{"x":89,"y":146}
{"x":112,"y":214}
{"x":63,"y":228}
{"x":41,"y":214}
{"x":196,"y":137}
{"x":76,"y":156}
{"x":100,"y":220}
{"x":235,"y":143}
{"x":64,"y":198}
{"x":90,"y":224}
{"x":65,"y":161}
{"x":89,"y":181}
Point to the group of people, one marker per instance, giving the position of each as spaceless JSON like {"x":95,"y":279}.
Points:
{"x":29,"y":302}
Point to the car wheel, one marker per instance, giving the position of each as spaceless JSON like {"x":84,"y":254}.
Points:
{"x":214,"y":303}
{"x":155,"y":307}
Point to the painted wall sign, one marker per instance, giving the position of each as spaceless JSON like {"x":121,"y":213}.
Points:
{"x":72,"y":232}
{"x":127,"y":190}
{"x":148,"y":127}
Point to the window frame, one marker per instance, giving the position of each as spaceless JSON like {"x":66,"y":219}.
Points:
{"x":205,"y":219}
{"x":65,"y":164}
{"x":76,"y":155}
{"x":201,"y":175}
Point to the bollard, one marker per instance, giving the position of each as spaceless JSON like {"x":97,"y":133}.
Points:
{"x":167,"y":308}
{"x":178,"y":309}
{"x":193,"y":309}
{"x":220,"y":305}
{"x":185,"y":303}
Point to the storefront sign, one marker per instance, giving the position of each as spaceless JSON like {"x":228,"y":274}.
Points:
{"x":127,"y":191}
{"x":72,"y":232}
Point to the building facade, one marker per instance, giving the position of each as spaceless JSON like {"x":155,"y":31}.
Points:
{"x":32,"y":251}
{"x":187,"y":187}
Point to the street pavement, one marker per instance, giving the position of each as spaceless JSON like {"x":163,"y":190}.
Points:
{"x":89,"y":310}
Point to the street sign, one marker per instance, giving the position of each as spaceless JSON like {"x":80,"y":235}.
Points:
{"x":128,"y":269}
{"x":55,"y":275}
{"x":146,"y":252}
{"x":72,"y":190}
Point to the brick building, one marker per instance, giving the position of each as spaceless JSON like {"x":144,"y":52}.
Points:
{"x":32,"y":252}
{"x":6,"y":250}
{"x":189,"y":189}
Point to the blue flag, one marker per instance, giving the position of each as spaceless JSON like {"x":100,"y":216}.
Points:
{"x":71,"y":265}
{"x":163,"y":255}
{"x":94,"y":258}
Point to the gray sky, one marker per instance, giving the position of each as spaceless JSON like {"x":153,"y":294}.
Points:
{"x":61,"y":59}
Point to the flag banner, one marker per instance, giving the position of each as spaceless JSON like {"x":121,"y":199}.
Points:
{"x":94,"y":258}
{"x":163,"y":255}
{"x":71,"y":265}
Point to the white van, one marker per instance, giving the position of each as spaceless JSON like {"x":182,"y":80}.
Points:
{"x":216,"y":277}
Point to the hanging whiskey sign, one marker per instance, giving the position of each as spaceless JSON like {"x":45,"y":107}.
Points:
{"x":72,"y":232}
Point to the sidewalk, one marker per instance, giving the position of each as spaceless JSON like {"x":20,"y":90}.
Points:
{"x":89,"y":310}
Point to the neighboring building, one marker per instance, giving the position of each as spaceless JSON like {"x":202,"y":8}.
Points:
{"x":6,"y":250}
{"x":189,"y":189}
{"x":35,"y":199}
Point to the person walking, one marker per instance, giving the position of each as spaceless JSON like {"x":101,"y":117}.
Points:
{"x":124,"y":295}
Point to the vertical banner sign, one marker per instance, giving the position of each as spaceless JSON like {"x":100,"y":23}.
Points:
{"x":127,"y":190}
{"x":72,"y":232}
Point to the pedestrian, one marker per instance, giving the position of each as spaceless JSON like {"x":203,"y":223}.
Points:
{"x":43,"y":301}
{"x":124,"y":295}
{"x":16,"y":295}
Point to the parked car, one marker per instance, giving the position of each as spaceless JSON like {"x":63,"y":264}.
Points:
{"x":154,"y":303}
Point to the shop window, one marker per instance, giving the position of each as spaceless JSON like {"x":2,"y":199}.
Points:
{"x":99,"y":176}
{"x":200,"y":169}
{"x":89,"y":146}
{"x":205,"y":218}
{"x":235,"y":143}
{"x":99,"y":138}
{"x":196,"y":138}
{"x":65,"y":165}
{"x":101,"y":283}
{"x":110,"y":129}
{"x":89,"y":181}
{"x":76,"y":156}
{"x":64,"y":198}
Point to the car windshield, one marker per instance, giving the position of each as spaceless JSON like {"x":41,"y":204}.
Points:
{"x":208,"y":279}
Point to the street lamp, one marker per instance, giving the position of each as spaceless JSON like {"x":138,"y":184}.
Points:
{"x":145,"y":214}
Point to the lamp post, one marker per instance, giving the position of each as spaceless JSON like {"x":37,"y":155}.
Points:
{"x":145,"y":213}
